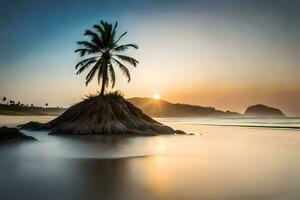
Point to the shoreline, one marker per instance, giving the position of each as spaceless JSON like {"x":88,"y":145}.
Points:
{"x":14,"y":121}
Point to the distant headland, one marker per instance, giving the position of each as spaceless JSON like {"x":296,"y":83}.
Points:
{"x":154,"y":108}
{"x":162,"y":108}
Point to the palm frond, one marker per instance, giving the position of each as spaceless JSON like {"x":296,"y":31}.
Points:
{"x":116,"y":42}
{"x":94,"y":38}
{"x":125,"y":47}
{"x":109,"y":34}
{"x":91,"y":74}
{"x":124,"y":69}
{"x":99,"y":29}
{"x":84,"y":51}
{"x":85,"y":61}
{"x":103,"y":23}
{"x":85,"y":66}
{"x":113,"y":33}
{"x":112,"y":75}
{"x":128,"y":59}
{"x":89,"y":45}
{"x":105,"y":29}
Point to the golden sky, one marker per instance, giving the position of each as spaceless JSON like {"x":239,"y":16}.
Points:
{"x":224,"y":55}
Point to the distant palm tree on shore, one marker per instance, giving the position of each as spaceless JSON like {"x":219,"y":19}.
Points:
{"x":4,"y":99}
{"x":104,"y":47}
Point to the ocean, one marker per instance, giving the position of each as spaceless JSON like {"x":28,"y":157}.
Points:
{"x":226,"y":159}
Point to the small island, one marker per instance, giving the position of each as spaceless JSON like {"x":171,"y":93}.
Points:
{"x":106,"y":112}
{"x":109,"y":114}
{"x":261,"y":110}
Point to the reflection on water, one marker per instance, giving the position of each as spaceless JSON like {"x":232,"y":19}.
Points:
{"x":226,"y":163}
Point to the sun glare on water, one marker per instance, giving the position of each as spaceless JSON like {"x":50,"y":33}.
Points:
{"x":156,"y":96}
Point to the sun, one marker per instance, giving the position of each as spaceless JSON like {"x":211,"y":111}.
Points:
{"x":156,"y":96}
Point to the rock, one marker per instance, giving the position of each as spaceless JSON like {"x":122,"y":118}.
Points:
{"x":263,"y":110}
{"x":180,"y":132}
{"x":32,"y":126}
{"x":10,"y":134}
{"x":193,"y":134}
{"x":103,"y":115}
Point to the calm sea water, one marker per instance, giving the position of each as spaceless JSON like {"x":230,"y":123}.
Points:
{"x":232,"y":159}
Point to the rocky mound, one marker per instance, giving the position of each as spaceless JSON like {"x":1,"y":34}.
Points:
{"x":263,"y":110}
{"x":103,"y":115}
{"x":7,"y":134}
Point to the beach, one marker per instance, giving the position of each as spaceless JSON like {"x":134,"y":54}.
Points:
{"x":218,"y":162}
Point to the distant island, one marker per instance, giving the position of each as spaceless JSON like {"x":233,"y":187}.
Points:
{"x":261,"y":110}
{"x":22,"y":110}
{"x":162,"y":108}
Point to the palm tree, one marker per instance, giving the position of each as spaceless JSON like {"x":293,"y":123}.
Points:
{"x":46,"y":104}
{"x":4,"y":99}
{"x":104,"y":48}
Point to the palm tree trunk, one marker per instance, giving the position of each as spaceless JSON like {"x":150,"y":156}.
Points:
{"x":104,"y":79}
{"x":102,"y":87}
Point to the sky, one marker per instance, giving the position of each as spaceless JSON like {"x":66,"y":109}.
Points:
{"x":228,"y":54}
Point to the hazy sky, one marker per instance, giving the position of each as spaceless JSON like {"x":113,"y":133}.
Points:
{"x":226,"y":54}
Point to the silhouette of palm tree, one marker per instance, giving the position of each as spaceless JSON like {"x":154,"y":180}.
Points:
{"x":104,"y":47}
{"x":4,"y":99}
